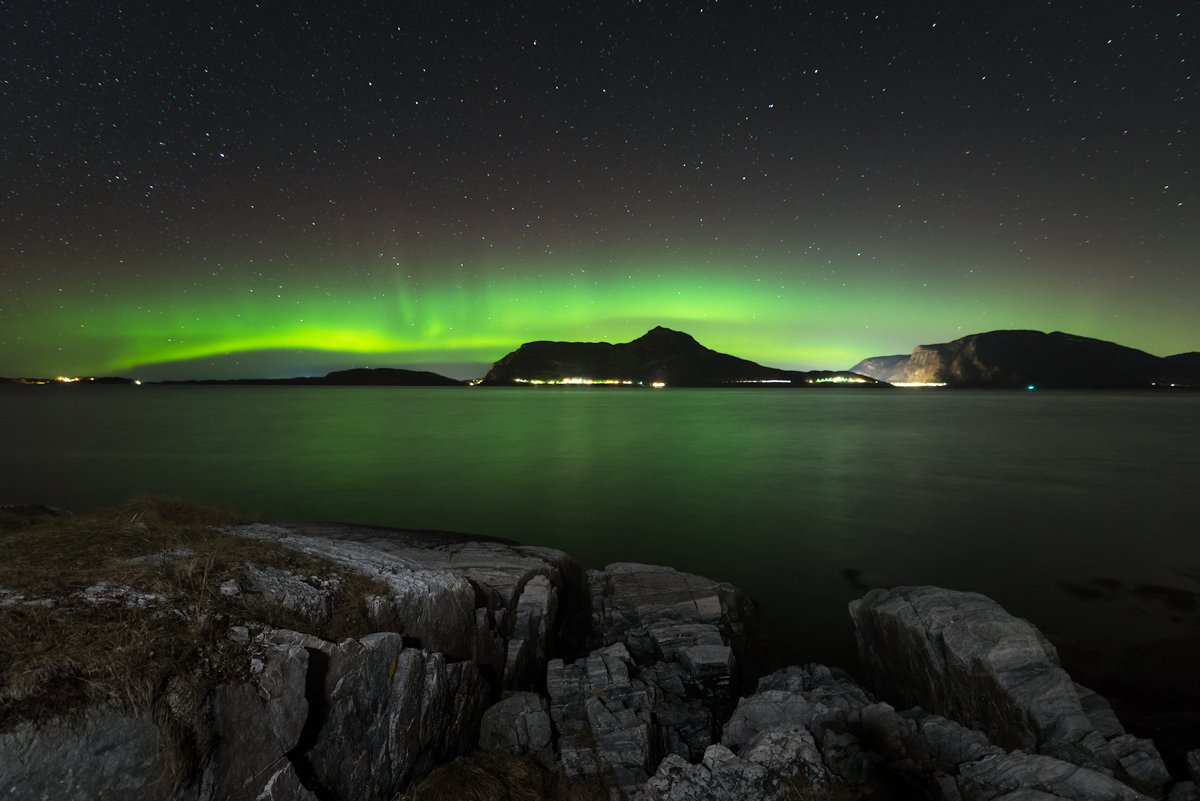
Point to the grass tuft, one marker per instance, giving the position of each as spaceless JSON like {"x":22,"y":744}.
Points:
{"x":156,"y":638}
{"x":805,"y":789}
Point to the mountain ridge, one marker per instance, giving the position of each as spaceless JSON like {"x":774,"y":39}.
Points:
{"x":1009,"y":358}
{"x":660,"y":356}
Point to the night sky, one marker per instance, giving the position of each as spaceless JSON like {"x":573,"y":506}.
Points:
{"x":229,"y":189}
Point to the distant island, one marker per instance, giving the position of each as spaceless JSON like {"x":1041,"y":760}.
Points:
{"x":357,"y":377}
{"x":1020,"y":359}
{"x":664,"y":357}
{"x":660,"y":357}
{"x":63,"y":380}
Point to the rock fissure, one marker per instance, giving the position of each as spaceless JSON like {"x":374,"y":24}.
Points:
{"x":310,"y":734}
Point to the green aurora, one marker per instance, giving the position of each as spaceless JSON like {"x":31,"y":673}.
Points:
{"x":824,"y":321}
{"x":252,"y":190}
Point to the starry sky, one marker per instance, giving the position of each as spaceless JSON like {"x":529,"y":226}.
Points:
{"x":226,"y":189}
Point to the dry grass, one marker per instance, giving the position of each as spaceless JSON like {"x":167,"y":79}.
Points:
{"x":489,"y":776}
{"x":804,"y":789}
{"x":57,"y":660}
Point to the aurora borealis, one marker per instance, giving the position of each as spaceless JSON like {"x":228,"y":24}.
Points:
{"x":289,"y":188}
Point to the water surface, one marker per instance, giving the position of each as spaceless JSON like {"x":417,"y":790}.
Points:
{"x":1076,"y":510}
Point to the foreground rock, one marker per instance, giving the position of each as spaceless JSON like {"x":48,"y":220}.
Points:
{"x":640,"y":679}
{"x":108,"y":754}
{"x":664,"y":676}
{"x":962,"y":655}
{"x":362,"y":718}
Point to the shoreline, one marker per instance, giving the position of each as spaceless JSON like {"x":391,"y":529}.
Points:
{"x":1134,"y":685}
{"x":622,"y":603}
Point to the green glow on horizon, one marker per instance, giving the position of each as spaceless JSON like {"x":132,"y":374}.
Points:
{"x":798,"y":322}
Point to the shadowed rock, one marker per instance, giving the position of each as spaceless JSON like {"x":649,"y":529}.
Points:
{"x":519,"y":725}
{"x":108,"y":755}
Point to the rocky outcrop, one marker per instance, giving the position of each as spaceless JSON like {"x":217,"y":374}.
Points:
{"x":963,"y":656}
{"x":867,"y":747}
{"x":642,"y":678}
{"x":1024,"y":358}
{"x":258,"y":723}
{"x":769,"y":767}
{"x":362,"y":718}
{"x":519,"y":725}
{"x":993,"y":678}
{"x":662,"y":614}
{"x":665,"y":669}
{"x":892,"y":369}
{"x":492,"y":603}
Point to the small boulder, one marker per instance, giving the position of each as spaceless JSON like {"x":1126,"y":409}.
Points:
{"x":519,"y":724}
{"x":1140,"y":761}
{"x":289,"y":591}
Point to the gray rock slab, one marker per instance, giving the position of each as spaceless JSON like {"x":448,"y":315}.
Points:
{"x":438,"y":583}
{"x":1140,"y":761}
{"x":519,"y":724}
{"x":299,"y":594}
{"x":106,"y":755}
{"x":1099,"y":712}
{"x":814,"y":696}
{"x":404,"y":710}
{"x":765,"y":770}
{"x":603,"y":717}
{"x":533,"y":625}
{"x":962,"y":655}
{"x":428,"y":601}
{"x":257,"y":722}
{"x":994,"y":776}
{"x":657,"y":610}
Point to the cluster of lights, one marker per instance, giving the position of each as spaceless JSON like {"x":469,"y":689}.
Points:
{"x":837,"y":379}
{"x":763,"y":381}
{"x":64,"y":379}
{"x":909,"y":384}
{"x":587,"y":382}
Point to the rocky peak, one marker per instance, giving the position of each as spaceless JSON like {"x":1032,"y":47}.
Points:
{"x":667,"y":340}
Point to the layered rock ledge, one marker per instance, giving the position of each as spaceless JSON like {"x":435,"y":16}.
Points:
{"x":639,"y":679}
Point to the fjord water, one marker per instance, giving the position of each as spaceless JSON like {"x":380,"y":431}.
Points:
{"x":1076,"y":510}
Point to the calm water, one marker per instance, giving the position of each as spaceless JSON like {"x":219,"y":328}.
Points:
{"x":1028,"y":497}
